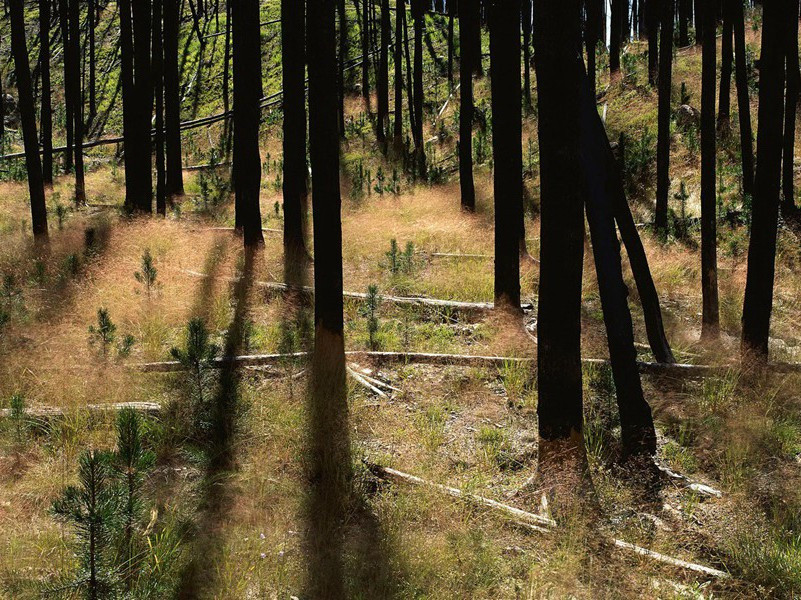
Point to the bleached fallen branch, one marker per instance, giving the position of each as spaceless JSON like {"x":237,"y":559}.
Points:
{"x":42,"y":412}
{"x":361,"y":380}
{"x":532,"y":520}
{"x":699,"y":488}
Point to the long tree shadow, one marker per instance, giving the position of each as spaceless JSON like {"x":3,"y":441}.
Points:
{"x":217,"y":495}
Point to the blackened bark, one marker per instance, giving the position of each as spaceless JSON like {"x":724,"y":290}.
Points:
{"x":158,"y":86}
{"x":128,"y":101}
{"x":398,"y":59}
{"x":743,"y":99}
{"x":526,"y":10}
{"x":330,"y":462}
{"x":506,"y":148}
{"x":382,"y":80}
{"x":614,"y":37}
{"x":790,"y":110}
{"x":726,"y":59}
{"x":591,"y":35}
{"x":685,"y":9}
{"x":293,"y":54}
{"x":33,"y":164}
{"x":559,"y":379}
{"x":74,"y":58}
{"x":143,"y":85}
{"x":451,"y":15}
{"x":342,"y":58}
{"x":663,"y":134}
{"x":418,"y":15}
{"x":174,"y":182}
{"x":365,"y":38}
{"x":710,"y":326}
{"x":46,"y":118}
{"x":247,"y":117}
{"x":698,"y":11}
{"x":468,"y":19}
{"x":762,"y":247}
{"x":652,"y":18}
{"x":69,"y":122}
{"x":91,"y":21}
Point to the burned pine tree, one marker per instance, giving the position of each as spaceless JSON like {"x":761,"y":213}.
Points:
{"x":397,"y":57}
{"x":33,"y":163}
{"x":158,"y":87}
{"x":382,"y":75}
{"x":735,"y":9}
{"x":726,"y":60}
{"x":653,"y":19}
{"x":757,"y":305}
{"x":592,"y":28}
{"x":504,"y":20}
{"x":468,"y":19}
{"x":174,"y":179}
{"x":247,"y":117}
{"x":615,"y":34}
{"x":73,"y":57}
{"x":46,"y":118}
{"x":526,"y":17}
{"x":69,"y":121}
{"x":663,"y":132}
{"x":418,"y":17}
{"x":790,"y":112}
{"x":293,"y":54}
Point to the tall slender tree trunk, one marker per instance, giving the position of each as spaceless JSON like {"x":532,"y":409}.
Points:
{"x":506,"y":148}
{"x":46,"y":118}
{"x":762,"y":247}
{"x":791,"y":106}
{"x":174,"y":178}
{"x":418,"y":15}
{"x":591,"y":34}
{"x":382,"y":81}
{"x":743,"y":100}
{"x":247,"y":117}
{"x":293,"y":54}
{"x":652,"y":11}
{"x":74,"y":59}
{"x":663,"y":134}
{"x":365,"y":38}
{"x":451,"y":15}
{"x":698,"y":11}
{"x":685,"y":8}
{"x":710,"y":326}
{"x":559,"y":378}
{"x":33,"y":164}
{"x":468,"y":19}
{"x":526,"y":9}
{"x":398,"y":60}
{"x":158,"y":85}
{"x":128,"y":102}
{"x":330,"y":462}
{"x":91,"y":21}
{"x":69,"y":121}
{"x":614,"y":37}
{"x":726,"y":59}
{"x":342,"y":58}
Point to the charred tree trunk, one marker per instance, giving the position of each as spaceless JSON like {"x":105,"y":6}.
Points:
{"x":663,"y":134}
{"x":451,"y":15}
{"x":614,"y":37}
{"x":398,"y":60}
{"x":790,"y":110}
{"x":685,"y":8}
{"x":365,"y":38}
{"x":69,"y":121}
{"x":526,"y":6}
{"x":559,"y":378}
{"x":591,"y":34}
{"x":726,"y":59}
{"x":506,"y":148}
{"x":468,"y":19}
{"x":743,"y":100}
{"x":174,"y":179}
{"x":652,"y":24}
{"x":91,"y":21}
{"x":33,"y":164}
{"x":247,"y":117}
{"x":342,"y":58}
{"x":698,"y":11}
{"x":710,"y":328}
{"x":293,"y":54}
{"x":762,"y":247}
{"x":47,"y":108}
{"x":158,"y":85}
{"x":74,"y":59}
{"x":226,"y":56}
{"x":330,"y":462}
{"x":418,"y":15}
{"x":382,"y":80}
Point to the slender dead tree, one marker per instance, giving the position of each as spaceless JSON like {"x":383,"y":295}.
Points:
{"x":526,"y":16}
{"x":418,"y":16}
{"x":726,"y":60}
{"x":158,"y":86}
{"x":468,"y":19}
{"x":684,"y":10}
{"x":91,"y":22}
{"x":765,"y":212}
{"x":74,"y":58}
{"x":46,"y":118}
{"x":174,"y":178}
{"x":365,"y":39}
{"x":592,"y":28}
{"x":451,"y":15}
{"x":342,"y":59}
{"x":33,"y":164}
{"x":710,"y":326}
{"x":506,"y":148}
{"x":247,"y":117}
{"x":615,"y":34}
{"x":382,"y":79}
{"x":330,"y":462}
{"x":653,"y":8}
{"x":663,"y":133}
{"x":293,"y":54}
{"x":559,"y":378}
{"x":735,"y":7}
{"x":397,"y":58}
{"x":69,"y":121}
{"x":790,"y":110}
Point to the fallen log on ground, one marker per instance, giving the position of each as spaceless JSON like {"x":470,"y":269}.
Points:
{"x":533,"y":521}
{"x":45,"y":412}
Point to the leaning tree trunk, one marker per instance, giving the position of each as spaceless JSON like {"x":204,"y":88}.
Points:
{"x":743,"y":100}
{"x":382,"y":80}
{"x":69,"y":121}
{"x":762,"y":247}
{"x":710,"y":320}
{"x":506,"y":148}
{"x":791,"y":104}
{"x":46,"y":118}
{"x":559,"y":379}
{"x":726,"y":59}
{"x":293,"y":55}
{"x":74,"y":58}
{"x":174,"y":180}
{"x":33,"y":164}
{"x":663,"y":134}
{"x":330,"y":462}
{"x":468,"y":19}
{"x":247,"y":117}
{"x":158,"y":85}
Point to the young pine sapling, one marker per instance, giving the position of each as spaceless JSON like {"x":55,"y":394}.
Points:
{"x":370,"y":311}
{"x":105,"y":332}
{"x":197,"y":354}
{"x":147,"y":276}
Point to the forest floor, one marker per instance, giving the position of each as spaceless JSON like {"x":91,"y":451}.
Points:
{"x":239,"y":533}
